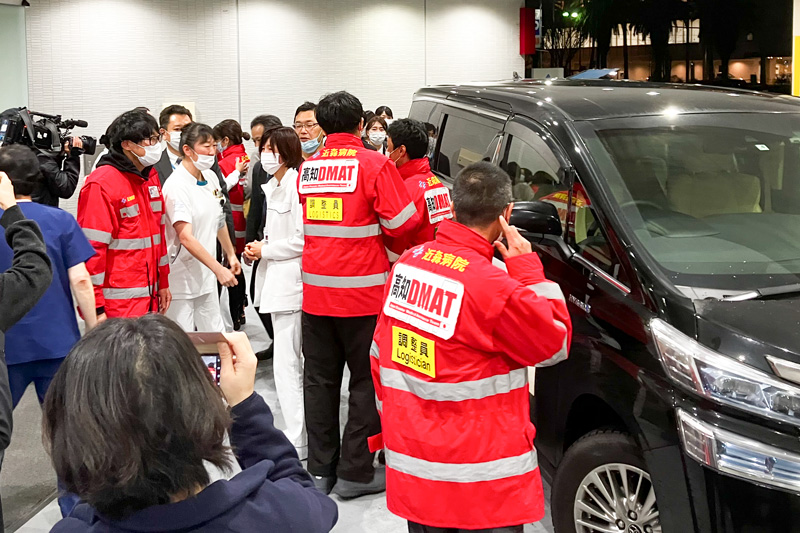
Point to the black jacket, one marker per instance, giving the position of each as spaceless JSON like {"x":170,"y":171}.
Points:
{"x":164,"y":167}
{"x":257,"y":216}
{"x":58,"y":182}
{"x":21,"y":286}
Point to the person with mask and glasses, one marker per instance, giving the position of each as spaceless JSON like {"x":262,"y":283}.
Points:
{"x":305,"y":125}
{"x":121,"y":212}
{"x":195,"y":221}
{"x":172,"y":120}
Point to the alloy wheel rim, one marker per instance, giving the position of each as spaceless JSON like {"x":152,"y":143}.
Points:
{"x":616,"y":498}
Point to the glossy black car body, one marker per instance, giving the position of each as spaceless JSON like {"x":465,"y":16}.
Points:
{"x":614,"y":377}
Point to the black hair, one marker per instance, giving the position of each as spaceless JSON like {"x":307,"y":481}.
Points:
{"x":167,"y":112}
{"x":232,"y":130}
{"x":131,"y":416}
{"x":339,"y":113}
{"x":411,"y":134}
{"x":480,"y":194}
{"x":285,"y":141}
{"x":22,"y":167}
{"x":430,"y":128}
{"x":305,"y":106}
{"x":367,"y":116}
{"x":269,"y":122}
{"x":194,"y":133}
{"x":384,"y":109}
{"x":135,"y":126}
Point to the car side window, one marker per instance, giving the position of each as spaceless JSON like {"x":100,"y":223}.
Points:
{"x":463,"y":142}
{"x":588,"y":237}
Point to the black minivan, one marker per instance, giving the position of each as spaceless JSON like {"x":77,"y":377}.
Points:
{"x":670,"y":216}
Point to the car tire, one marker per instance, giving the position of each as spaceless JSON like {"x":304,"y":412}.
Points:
{"x":591,"y":474}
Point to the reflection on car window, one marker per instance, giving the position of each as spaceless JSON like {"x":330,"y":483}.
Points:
{"x":463,"y":142}
{"x":715,"y":200}
{"x":587,"y":236}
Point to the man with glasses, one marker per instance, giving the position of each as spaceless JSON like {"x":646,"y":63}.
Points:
{"x":121,"y":211}
{"x":307,"y":128}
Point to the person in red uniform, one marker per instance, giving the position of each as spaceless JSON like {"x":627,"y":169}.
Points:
{"x":350,"y":195}
{"x":449,"y":364}
{"x":121,"y":212}
{"x":233,"y":163}
{"x":407,"y":147}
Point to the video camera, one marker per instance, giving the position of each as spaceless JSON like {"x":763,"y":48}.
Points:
{"x":46,"y":134}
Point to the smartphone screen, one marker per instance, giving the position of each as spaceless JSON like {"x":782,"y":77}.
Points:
{"x":206,"y":344}
{"x":212,"y":363}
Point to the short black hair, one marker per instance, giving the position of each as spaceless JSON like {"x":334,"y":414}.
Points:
{"x":386,"y":109}
{"x":163,"y":118}
{"x":194,"y":133}
{"x":269,"y":122}
{"x":480,"y":194}
{"x":430,"y":128}
{"x":411,"y":134}
{"x":339,"y":113}
{"x":131,"y":416}
{"x":232,"y":130}
{"x":22,"y":167}
{"x":134,"y":125}
{"x":305,"y":106}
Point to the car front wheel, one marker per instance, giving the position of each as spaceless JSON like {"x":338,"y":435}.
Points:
{"x":602,"y":486}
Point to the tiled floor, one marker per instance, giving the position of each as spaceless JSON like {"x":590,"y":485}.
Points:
{"x":363,"y":515}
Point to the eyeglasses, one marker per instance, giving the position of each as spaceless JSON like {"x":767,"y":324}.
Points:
{"x":308,"y":126}
{"x":155,"y":139}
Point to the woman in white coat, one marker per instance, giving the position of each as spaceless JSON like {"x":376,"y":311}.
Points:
{"x":279,"y":282}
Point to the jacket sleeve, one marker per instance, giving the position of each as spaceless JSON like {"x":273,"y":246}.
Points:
{"x":30,"y":274}
{"x":398,"y":245}
{"x":99,"y":224}
{"x":226,"y":208}
{"x":255,"y":213}
{"x":60,"y":182}
{"x":163,"y":262}
{"x":292,"y":247}
{"x":397,"y":213}
{"x":534,"y":327}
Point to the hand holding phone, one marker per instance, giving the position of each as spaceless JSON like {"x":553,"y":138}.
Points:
{"x":237,"y":367}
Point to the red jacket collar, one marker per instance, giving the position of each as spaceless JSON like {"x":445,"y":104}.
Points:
{"x":414,"y":168}
{"x":236,"y":150}
{"x":455,"y":234}
{"x":343,"y":139}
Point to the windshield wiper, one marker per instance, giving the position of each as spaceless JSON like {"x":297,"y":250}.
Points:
{"x":764,"y":293}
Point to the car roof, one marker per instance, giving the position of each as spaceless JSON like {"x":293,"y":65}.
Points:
{"x":602,"y":99}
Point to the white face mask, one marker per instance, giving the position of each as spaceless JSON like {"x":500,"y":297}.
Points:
{"x":175,"y":140}
{"x":377,"y":137}
{"x":220,"y":148}
{"x":152,"y":154}
{"x":388,"y":121}
{"x":203,"y":162}
{"x":270,"y":162}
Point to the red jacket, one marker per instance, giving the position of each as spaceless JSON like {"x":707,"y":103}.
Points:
{"x":432,"y":199}
{"x":350,"y":194}
{"x":122,"y":215}
{"x":227,"y":164}
{"x":449,"y":362}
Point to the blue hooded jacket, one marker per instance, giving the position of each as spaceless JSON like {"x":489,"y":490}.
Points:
{"x":272,"y":493}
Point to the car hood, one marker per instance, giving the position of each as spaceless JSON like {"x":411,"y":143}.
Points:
{"x":751,"y":329}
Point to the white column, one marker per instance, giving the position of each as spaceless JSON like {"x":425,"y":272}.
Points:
{"x":796,"y":49}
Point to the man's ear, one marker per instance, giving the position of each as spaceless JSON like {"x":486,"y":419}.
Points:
{"x":507,"y":211}
{"x":361,"y":125}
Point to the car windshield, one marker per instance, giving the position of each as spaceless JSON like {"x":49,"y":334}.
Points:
{"x":713,"y":198}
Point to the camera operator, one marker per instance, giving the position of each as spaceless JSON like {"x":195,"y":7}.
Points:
{"x":60,"y":173}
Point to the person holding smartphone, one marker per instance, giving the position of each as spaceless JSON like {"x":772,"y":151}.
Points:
{"x":195,"y":222}
{"x":279,"y":281}
{"x":142,"y":467}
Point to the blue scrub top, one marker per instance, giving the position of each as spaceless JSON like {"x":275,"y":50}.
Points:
{"x":50,"y":329}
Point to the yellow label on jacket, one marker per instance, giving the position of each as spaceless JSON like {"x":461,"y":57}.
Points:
{"x":324,"y":209}
{"x":414,"y":351}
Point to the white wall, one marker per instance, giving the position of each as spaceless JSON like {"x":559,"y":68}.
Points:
{"x":92,"y":60}
{"x":13,"y":74}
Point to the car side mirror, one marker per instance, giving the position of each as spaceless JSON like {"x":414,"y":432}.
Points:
{"x":539,"y":223}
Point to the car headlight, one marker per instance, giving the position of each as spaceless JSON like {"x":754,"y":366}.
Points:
{"x":723,"y":379}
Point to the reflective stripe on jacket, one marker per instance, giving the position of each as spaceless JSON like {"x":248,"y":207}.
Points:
{"x":227,"y":164}
{"x":350,"y":196}
{"x":449,"y":365}
{"x":122,"y":215}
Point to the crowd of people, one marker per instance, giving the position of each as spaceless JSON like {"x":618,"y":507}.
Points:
{"x":360,"y":259}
